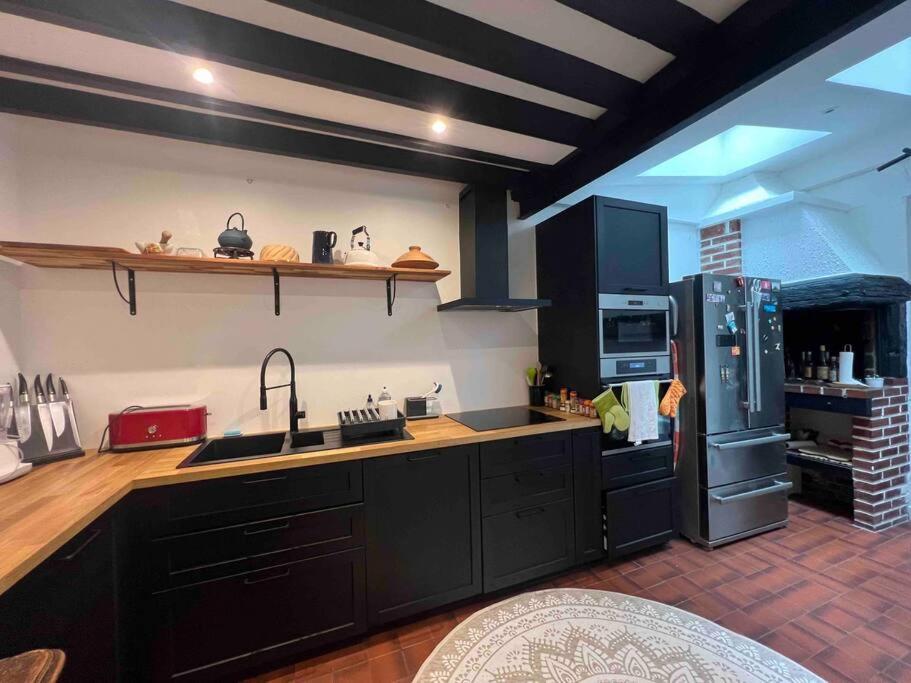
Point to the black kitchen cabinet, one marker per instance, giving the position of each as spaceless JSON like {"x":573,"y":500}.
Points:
{"x":587,"y":492}
{"x":597,"y":246}
{"x":68,"y":602}
{"x":243,"y":573}
{"x":205,"y":630}
{"x":526,"y":544}
{"x":638,"y":517}
{"x":636,"y":466}
{"x":632,"y":247}
{"x":423,"y":531}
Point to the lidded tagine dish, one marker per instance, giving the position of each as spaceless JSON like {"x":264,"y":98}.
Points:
{"x":415,"y":258}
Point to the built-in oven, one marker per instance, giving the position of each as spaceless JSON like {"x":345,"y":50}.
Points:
{"x":635,"y":335}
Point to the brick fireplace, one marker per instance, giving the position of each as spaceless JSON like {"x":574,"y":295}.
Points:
{"x":872,"y":425}
{"x":877,"y":420}
{"x":719,"y":249}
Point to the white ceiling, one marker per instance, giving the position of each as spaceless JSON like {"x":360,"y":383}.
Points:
{"x":30,"y":39}
{"x":799,"y":97}
{"x":550,"y":23}
{"x":545,"y":21}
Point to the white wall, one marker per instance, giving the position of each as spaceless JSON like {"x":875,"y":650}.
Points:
{"x":879,"y":218}
{"x":683,"y":249}
{"x":9,"y":273}
{"x":202,"y":337}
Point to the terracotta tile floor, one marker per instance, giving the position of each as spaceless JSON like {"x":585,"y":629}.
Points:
{"x":835,"y":598}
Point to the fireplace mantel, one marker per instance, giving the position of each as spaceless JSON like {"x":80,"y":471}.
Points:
{"x":845,"y":290}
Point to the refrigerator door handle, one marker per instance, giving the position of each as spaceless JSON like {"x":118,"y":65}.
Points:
{"x":759,"y":441}
{"x":757,"y":356}
{"x":776,"y":487}
{"x":751,"y":371}
{"x":675,"y":315}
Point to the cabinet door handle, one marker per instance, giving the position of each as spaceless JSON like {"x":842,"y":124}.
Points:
{"x":529,"y":513}
{"x":523,"y":477}
{"x":419,"y":457}
{"x":82,"y":546}
{"x":277,"y":527}
{"x":281,"y":575}
{"x":264,"y":481}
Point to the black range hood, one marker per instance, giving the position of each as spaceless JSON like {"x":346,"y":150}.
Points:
{"x":484,"y":254}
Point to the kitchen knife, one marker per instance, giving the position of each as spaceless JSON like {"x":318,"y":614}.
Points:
{"x":58,"y":416}
{"x":23,"y":389}
{"x":44,"y":413}
{"x":23,"y":412}
{"x":71,"y":411}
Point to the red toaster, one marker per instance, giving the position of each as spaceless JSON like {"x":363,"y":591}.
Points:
{"x":157,"y":427}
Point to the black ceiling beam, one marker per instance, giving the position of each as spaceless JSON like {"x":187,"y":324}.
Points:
{"x":667,"y":24}
{"x":75,"y":106}
{"x":190,"y":31}
{"x":116,"y":85}
{"x":759,"y":40}
{"x":435,"y":29}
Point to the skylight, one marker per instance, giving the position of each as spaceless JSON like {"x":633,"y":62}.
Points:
{"x":733,"y":150}
{"x":889,"y":70}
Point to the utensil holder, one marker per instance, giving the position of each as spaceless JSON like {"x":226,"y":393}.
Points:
{"x":536,"y":395}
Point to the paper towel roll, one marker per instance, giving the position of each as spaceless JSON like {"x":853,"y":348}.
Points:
{"x":846,"y":367}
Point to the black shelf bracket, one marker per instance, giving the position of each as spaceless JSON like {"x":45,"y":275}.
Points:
{"x":277,"y":291}
{"x":390,"y":293}
{"x":131,"y":287}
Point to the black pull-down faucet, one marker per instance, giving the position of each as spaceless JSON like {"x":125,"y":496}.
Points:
{"x":292,"y":404}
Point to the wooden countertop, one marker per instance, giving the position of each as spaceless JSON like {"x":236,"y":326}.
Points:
{"x":50,"y":505}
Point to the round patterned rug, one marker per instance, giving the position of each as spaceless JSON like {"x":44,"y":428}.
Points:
{"x":575,"y":635}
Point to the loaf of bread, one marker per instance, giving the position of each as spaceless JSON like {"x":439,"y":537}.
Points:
{"x":279,"y":252}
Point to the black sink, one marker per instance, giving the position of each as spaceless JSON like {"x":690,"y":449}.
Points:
{"x":306,"y":439}
{"x":232,"y":448}
{"x":237,"y":448}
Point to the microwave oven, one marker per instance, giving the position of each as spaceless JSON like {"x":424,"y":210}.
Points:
{"x":635,"y":335}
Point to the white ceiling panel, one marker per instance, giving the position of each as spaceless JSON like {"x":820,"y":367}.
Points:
{"x":716,"y":10}
{"x":557,"y":26}
{"x":40,"y":42}
{"x":302,"y":25}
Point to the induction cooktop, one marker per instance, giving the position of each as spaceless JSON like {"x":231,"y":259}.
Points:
{"x":501,"y":418}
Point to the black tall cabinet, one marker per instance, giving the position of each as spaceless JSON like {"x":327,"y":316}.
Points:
{"x":599,"y":246}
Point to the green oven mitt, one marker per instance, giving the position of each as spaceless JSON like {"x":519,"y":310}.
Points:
{"x":610,"y":411}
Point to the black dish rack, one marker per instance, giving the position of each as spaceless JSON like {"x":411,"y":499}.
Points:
{"x":360,"y":423}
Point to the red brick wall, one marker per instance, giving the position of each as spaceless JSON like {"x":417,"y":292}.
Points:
{"x":881,"y":462}
{"x":720,"y":249}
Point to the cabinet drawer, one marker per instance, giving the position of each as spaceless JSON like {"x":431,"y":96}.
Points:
{"x":200,"y":556}
{"x":528,"y":452}
{"x":522,"y":489}
{"x":231,"y":500}
{"x":202,"y":630}
{"x":639,"y":517}
{"x":637,"y":466}
{"x":528,"y":543}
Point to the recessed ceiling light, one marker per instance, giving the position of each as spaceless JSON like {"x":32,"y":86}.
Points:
{"x":203,"y":76}
{"x":733,"y":150}
{"x":888,"y":70}
{"x":438,"y":127}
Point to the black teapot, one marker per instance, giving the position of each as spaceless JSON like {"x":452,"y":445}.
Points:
{"x":235,"y":238}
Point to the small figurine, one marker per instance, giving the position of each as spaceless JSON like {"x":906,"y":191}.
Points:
{"x":160,"y":247}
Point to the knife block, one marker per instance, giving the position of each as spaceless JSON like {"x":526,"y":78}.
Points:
{"x":35,"y":449}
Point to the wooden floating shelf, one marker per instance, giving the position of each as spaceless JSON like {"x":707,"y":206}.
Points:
{"x":101,"y":258}
{"x":111,"y":258}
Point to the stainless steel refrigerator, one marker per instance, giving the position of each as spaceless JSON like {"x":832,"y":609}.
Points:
{"x":732,"y":468}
